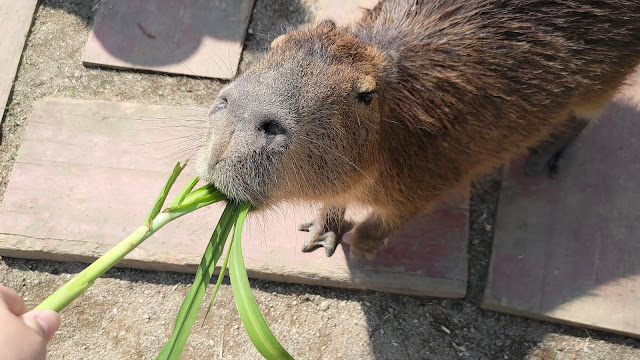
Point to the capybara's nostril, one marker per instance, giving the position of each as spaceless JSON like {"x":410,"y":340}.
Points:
{"x":272,"y":128}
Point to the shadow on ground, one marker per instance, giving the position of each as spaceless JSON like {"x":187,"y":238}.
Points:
{"x":183,"y":31}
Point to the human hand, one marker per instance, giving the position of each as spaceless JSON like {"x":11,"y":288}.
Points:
{"x":24,"y":335}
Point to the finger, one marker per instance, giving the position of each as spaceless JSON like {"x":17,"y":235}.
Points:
{"x":45,"y":322}
{"x":11,"y":300}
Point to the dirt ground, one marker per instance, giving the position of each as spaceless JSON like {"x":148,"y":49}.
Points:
{"x":128,"y":314}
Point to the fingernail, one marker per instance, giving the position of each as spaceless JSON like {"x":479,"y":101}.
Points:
{"x":45,"y":327}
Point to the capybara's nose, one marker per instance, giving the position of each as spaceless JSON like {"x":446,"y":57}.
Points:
{"x":271,"y":130}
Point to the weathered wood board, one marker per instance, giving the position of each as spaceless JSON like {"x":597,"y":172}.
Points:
{"x":15,"y":21}
{"x":192,"y":37}
{"x":568,"y":249}
{"x":88,"y":171}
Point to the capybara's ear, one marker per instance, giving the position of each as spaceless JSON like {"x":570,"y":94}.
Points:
{"x":365,"y":84}
{"x":278,"y":40}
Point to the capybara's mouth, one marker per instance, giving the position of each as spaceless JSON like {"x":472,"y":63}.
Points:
{"x":243,"y":179}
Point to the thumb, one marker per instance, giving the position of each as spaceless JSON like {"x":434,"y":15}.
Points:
{"x":44,"y":322}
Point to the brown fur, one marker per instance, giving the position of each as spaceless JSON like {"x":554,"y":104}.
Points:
{"x":462,"y":86}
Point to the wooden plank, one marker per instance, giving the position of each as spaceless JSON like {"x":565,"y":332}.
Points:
{"x":15,"y":21}
{"x":88,"y":171}
{"x":567,"y":249}
{"x":192,"y":37}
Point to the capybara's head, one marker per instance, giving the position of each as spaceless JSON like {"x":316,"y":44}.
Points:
{"x":302,"y":123}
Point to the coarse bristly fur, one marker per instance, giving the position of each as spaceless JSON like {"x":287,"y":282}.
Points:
{"x":416,"y":99}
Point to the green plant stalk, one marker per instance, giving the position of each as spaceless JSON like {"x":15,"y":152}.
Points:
{"x":186,"y":202}
{"x":191,"y":303}
{"x":180,"y":198}
{"x":81,"y":282}
{"x":223,"y":269}
{"x":252,"y":319}
{"x":155,"y":210}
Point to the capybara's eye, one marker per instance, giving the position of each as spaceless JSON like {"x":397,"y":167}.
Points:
{"x":367,"y":97}
{"x":220,"y":105}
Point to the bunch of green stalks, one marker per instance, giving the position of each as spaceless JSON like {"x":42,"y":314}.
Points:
{"x":233,"y":217}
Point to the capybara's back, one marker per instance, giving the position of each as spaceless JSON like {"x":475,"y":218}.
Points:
{"x":416,"y":99}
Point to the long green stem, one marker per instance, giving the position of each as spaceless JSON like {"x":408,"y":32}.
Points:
{"x":81,"y":282}
{"x":156,"y":220}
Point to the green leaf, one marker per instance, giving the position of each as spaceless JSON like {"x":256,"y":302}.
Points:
{"x":199,"y":192}
{"x":252,"y":319}
{"x":223,"y":269}
{"x":191,"y":304}
{"x":180,"y":198}
{"x":190,"y":203}
{"x":165,"y":192}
